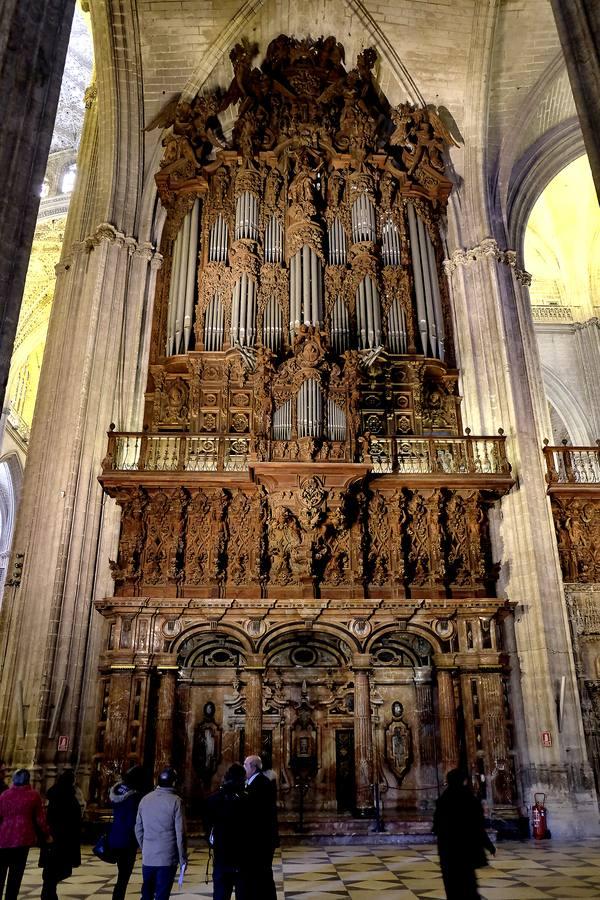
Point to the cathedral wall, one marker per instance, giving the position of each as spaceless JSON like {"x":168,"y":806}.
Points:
{"x":101,"y":327}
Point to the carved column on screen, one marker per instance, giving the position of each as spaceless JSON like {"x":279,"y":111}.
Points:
{"x":165,"y":718}
{"x":117,"y":721}
{"x":253,"y":680}
{"x":363,"y":735}
{"x":426,"y":736}
{"x":495,"y":738}
{"x":447,"y":714}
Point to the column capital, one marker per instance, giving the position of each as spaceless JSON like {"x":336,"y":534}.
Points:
{"x":255,"y":662}
{"x":487,"y":248}
{"x":361,"y":662}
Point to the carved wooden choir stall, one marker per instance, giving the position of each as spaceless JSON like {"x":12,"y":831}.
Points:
{"x":304,"y":567}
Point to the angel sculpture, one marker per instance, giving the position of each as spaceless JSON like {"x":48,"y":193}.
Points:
{"x":422,"y":136}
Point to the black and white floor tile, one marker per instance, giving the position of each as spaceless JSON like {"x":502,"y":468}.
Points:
{"x":560,"y":871}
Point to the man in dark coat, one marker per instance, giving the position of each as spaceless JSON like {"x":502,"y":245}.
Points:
{"x":63,"y":814}
{"x":125,"y":799}
{"x":264,"y":836}
{"x":228,"y":827}
{"x":461,"y":837}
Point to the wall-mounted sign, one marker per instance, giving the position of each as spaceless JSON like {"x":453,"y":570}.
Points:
{"x":546,"y":739}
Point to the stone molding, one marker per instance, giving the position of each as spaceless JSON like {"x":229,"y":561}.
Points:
{"x":107,"y":233}
{"x":593,"y":321}
{"x":487,"y":248}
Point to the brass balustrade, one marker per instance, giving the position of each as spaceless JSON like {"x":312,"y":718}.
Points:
{"x":572,"y":465}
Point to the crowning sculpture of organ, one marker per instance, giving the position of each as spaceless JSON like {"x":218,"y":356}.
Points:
{"x":304,"y":542}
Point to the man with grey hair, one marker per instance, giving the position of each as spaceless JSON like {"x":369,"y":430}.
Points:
{"x":262,"y":812}
{"x":160,"y":832}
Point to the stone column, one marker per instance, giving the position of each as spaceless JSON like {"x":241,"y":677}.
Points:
{"x":503,"y":386}
{"x":165,"y":718}
{"x":578,"y":25}
{"x":447,"y":714}
{"x":586,"y":336}
{"x":34,"y":37}
{"x":363,"y":735}
{"x":252,"y":677}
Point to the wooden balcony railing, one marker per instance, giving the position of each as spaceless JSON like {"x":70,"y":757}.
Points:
{"x":469,"y":455}
{"x":572,"y":465}
{"x":184,"y":452}
{"x":138,"y":451}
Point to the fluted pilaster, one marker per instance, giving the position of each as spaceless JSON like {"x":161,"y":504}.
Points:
{"x":253,"y":674}
{"x":447,"y":714}
{"x":363,"y":735}
{"x":165,"y":718}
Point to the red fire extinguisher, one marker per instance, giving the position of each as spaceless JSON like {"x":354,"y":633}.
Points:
{"x":538,"y":817}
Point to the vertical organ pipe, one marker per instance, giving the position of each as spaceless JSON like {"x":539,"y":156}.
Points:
{"x":417,"y":276}
{"x":174,"y":294}
{"x":431,"y":326}
{"x":305,"y":284}
{"x":191,"y":275}
{"x":178,"y":299}
{"x":437,"y":300}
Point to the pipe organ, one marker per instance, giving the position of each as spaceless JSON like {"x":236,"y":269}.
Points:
{"x":294,"y":236}
{"x":302,"y":442}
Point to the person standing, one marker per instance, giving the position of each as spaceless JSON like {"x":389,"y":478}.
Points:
{"x":461,"y":837}
{"x":228,"y":826}
{"x":263,"y":838}
{"x":161,"y":834}
{"x":22,"y":825}
{"x":63,"y":815}
{"x":125,"y":797}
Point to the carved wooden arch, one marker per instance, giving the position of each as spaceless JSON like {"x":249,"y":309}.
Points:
{"x":206,"y":628}
{"x":418,"y":630}
{"x":289,"y":628}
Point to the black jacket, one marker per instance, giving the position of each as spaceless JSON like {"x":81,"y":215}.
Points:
{"x":228,"y":826}
{"x":124,"y":801}
{"x":460,"y":829}
{"x":262,"y":798}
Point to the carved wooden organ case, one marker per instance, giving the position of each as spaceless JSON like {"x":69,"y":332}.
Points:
{"x":302,"y":453}
{"x":301,"y":340}
{"x":302,"y":261}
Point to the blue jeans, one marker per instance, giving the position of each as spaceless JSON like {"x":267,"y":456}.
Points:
{"x":158,"y":881}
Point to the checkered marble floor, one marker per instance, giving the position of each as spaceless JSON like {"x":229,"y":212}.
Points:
{"x":562,"y":871}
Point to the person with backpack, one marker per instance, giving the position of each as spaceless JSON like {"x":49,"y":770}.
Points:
{"x":125,"y":798}
{"x":227,"y":825}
